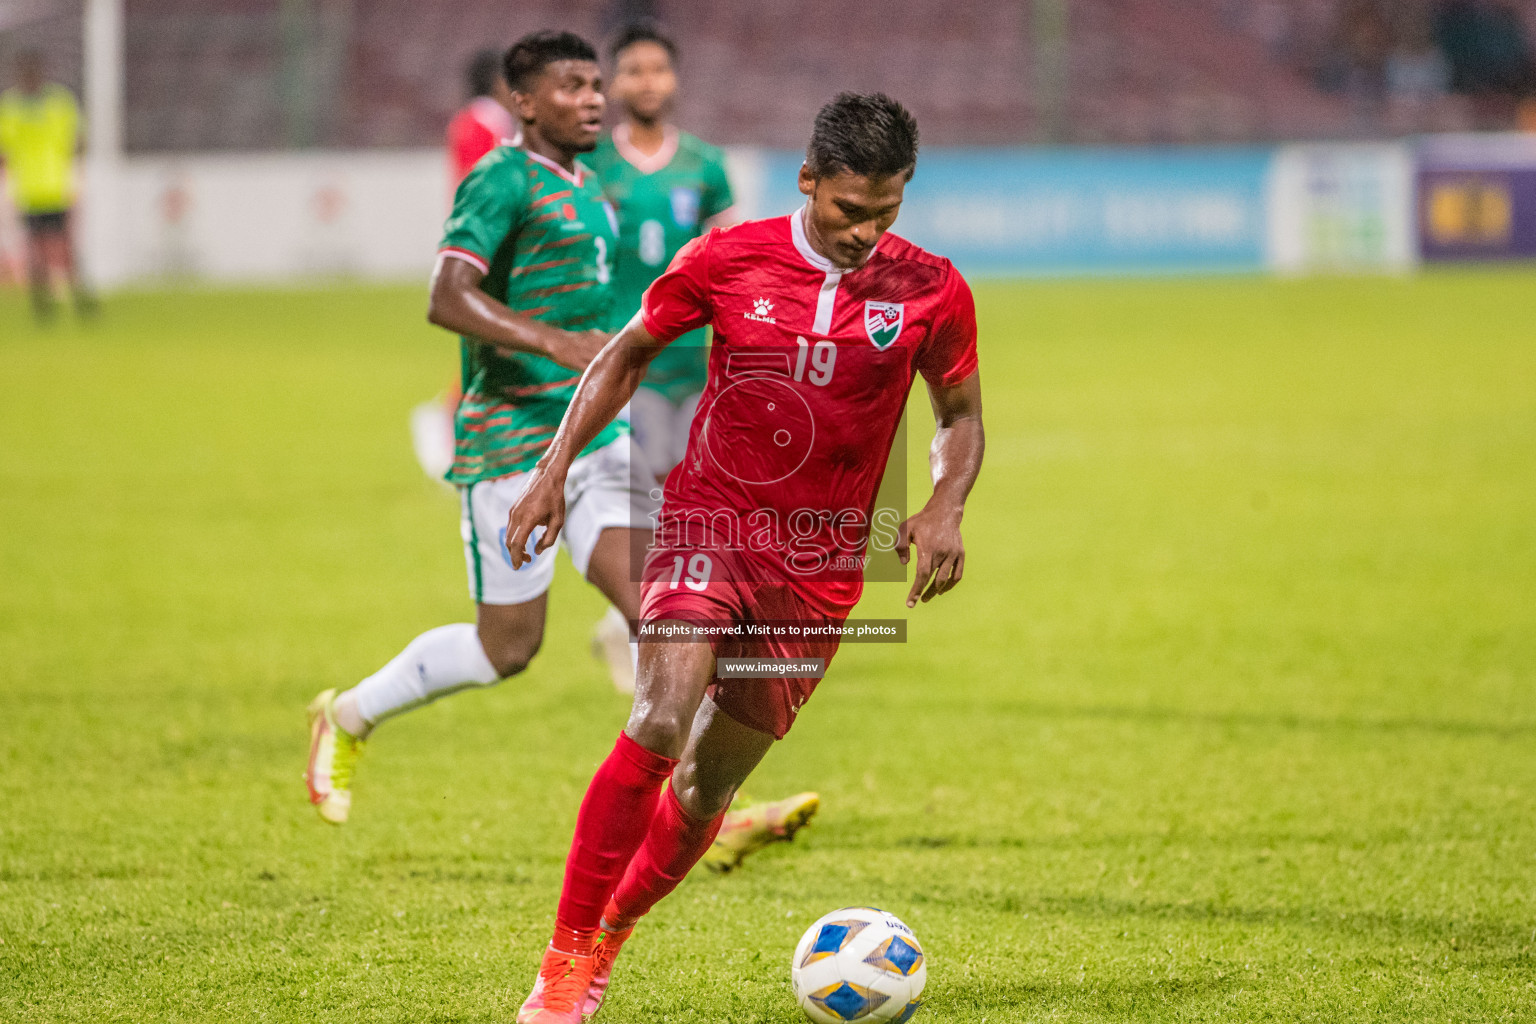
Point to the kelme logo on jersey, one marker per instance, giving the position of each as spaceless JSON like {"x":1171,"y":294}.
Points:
{"x":882,"y":322}
{"x":685,"y":207}
{"x":760,"y":312}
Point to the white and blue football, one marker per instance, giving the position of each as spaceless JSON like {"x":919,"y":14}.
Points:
{"x":859,"y":964}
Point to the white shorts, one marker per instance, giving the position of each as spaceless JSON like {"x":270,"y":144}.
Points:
{"x":611,"y":487}
{"x":661,"y":428}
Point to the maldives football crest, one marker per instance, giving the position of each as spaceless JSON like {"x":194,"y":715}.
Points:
{"x":882,"y":322}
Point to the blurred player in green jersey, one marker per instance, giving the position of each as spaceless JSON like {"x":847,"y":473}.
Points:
{"x":39,"y":139}
{"x":524,"y":278}
{"x":483,"y":123}
{"x":668,"y":187}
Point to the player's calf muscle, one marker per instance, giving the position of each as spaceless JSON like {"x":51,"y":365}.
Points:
{"x":704,"y":787}
{"x":703,"y":797}
{"x":721,"y":753}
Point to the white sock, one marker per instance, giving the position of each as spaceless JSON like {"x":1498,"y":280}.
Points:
{"x":441,"y":660}
{"x":618,"y":622}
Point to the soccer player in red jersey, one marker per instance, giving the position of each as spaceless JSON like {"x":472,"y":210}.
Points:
{"x":485,"y":121}
{"x":822,"y":321}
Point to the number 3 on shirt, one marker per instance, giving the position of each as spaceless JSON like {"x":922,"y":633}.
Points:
{"x":604,"y":272}
{"x":698,"y":568}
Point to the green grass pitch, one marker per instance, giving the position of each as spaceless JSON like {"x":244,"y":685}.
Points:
{"x":1232,"y":718}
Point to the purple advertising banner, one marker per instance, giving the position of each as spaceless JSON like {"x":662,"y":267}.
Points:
{"x":1477,"y":198}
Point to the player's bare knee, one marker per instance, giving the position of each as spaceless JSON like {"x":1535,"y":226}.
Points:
{"x":513,"y":659}
{"x":661,"y":730}
{"x":509,"y":655}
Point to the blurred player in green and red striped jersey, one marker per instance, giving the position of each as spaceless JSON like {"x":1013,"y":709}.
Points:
{"x":524,"y":277}
{"x":483,"y":123}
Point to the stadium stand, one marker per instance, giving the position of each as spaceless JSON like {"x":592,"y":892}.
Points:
{"x":48,"y":26}
{"x":264,"y":74}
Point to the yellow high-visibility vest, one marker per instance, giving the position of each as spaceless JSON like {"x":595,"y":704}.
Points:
{"x":38,"y":138}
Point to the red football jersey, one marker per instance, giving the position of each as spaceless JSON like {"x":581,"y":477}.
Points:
{"x":808,"y":375}
{"x":481,"y":126}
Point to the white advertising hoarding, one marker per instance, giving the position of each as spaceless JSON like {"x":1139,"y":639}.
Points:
{"x":267,"y":218}
{"x":1342,"y":207}
{"x":294,"y":218}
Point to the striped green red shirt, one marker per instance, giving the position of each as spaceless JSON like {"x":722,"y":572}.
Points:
{"x":545,"y":239}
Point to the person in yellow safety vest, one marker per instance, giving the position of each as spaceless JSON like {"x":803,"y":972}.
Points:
{"x":39,"y":139}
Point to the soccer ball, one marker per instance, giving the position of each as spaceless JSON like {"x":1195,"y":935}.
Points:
{"x":858,"y":964}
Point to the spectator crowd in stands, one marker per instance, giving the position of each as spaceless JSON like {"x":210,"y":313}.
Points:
{"x":209,"y":75}
{"x":1389,"y":57}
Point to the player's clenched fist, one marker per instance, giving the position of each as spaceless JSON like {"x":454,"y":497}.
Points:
{"x":542,"y":504}
{"x":940,"y":552}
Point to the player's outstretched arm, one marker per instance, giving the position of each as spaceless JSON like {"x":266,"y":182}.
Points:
{"x":954,"y":461}
{"x":458,"y":304}
{"x":606,"y":386}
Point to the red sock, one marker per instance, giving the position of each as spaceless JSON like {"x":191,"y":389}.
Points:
{"x":673,"y":845}
{"x":571,"y":942}
{"x":615,"y":814}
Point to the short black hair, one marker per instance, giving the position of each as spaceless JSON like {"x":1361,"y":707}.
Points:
{"x":481,"y":74}
{"x":866,"y":133}
{"x":533,"y":53}
{"x":641,"y":30}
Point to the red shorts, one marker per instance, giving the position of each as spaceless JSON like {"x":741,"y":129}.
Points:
{"x":700,"y":590}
